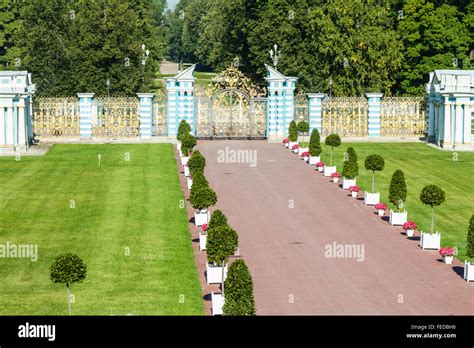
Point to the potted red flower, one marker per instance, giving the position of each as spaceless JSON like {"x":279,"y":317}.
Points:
{"x":354,"y":190}
{"x":409,"y":228}
{"x":381,"y":207}
{"x":305,"y":156}
{"x":295,"y":148}
{"x":335,"y":177}
{"x":286,"y":142}
{"x":320,"y":166}
{"x":447,"y":254}
{"x":203,"y":238}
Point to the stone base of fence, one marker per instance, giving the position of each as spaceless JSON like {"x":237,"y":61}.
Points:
{"x":135,"y":140}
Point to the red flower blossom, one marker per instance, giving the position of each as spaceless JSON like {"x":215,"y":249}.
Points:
{"x":204,"y":227}
{"x":320,"y":164}
{"x":381,"y":206}
{"x":447,"y":251}
{"x":335,"y":175}
{"x":409,"y":225}
{"x":285,"y":141}
{"x":295,"y":147}
{"x":305,"y":154}
{"x":354,"y":188}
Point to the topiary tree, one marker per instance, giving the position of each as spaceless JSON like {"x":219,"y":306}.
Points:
{"x":375,"y":163}
{"x":196,"y":162}
{"x":315,"y":148}
{"x":333,"y":140}
{"x":183,"y":128}
{"x":470,"y":239}
{"x":239,"y":299}
{"x":199,"y":180}
{"x":292,"y":132}
{"x":303,"y":128}
{"x":202,"y":197}
{"x":221,"y":243}
{"x":217,"y":219}
{"x":433,"y":196}
{"x":68,"y":269}
{"x":188,"y":142}
{"x":350,"y":168}
{"x":398,"y":189}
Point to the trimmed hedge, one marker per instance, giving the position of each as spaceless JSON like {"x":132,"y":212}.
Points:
{"x":217,"y":219}
{"x":292,"y":132}
{"x":183,"y":128}
{"x":315,"y":148}
{"x":202,"y":197}
{"x":398,"y":189}
{"x":221,"y":243}
{"x":188,"y":142}
{"x":470,"y":239}
{"x":196,"y":162}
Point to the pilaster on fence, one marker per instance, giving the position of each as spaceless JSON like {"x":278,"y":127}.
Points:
{"x":146,"y":114}
{"x":374,"y":100}
{"x":315,"y":110}
{"x":85,"y":114}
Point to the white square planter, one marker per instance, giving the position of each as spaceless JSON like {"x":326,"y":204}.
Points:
{"x":301,"y":150}
{"x":178,"y":145}
{"x":448,"y":260}
{"x":201,"y":218}
{"x":287,"y":145}
{"x":291,"y":143}
{"x":329,"y":170}
{"x":186,"y":171}
{"x":371,"y":198}
{"x":346,"y":183}
{"x":214,"y":274}
{"x":430,"y":241}
{"x":410,"y":233}
{"x":468,"y":271}
{"x":398,"y":219}
{"x":184,"y":160}
{"x":355,"y":194}
{"x":217,"y":303}
{"x":190,"y":182}
{"x":202,"y":241}
{"x":320,"y":169}
{"x":314,"y":159}
{"x":180,"y":153}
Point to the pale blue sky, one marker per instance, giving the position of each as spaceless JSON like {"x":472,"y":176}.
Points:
{"x":172,"y":4}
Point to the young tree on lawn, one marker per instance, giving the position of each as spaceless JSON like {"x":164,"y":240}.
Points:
{"x":292,"y":132}
{"x":303,"y":128}
{"x":433,"y":196}
{"x":239,"y":299}
{"x":68,"y":269}
{"x":470,"y":239}
{"x":217,"y":219}
{"x":315,"y":143}
{"x":221,"y":243}
{"x":196,"y":162}
{"x":398,"y":189}
{"x":375,"y":163}
{"x":333,"y":140}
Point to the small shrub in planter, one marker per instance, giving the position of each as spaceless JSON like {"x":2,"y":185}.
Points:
{"x":315,"y":148}
{"x":350,"y":168}
{"x":433,"y":196}
{"x":222,"y":242}
{"x":468,"y":265}
{"x":292,"y":132}
{"x":239,"y":299}
{"x":381,"y":207}
{"x":196,"y":162}
{"x":335,"y":177}
{"x":199,"y":180}
{"x":201,"y":199}
{"x":303,"y":128}
{"x":332,"y":140}
{"x":354,"y":190}
{"x":375,"y":163}
{"x":447,"y":254}
{"x":409,"y":227}
{"x":183,"y":128}
{"x":188,"y":143}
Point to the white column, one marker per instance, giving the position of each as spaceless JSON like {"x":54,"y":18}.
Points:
{"x":22,"y":126}
{"x":9,"y":126}
{"x":2,"y":127}
{"x":447,"y":122}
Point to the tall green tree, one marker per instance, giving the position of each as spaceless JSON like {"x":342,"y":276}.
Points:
{"x":11,"y":20}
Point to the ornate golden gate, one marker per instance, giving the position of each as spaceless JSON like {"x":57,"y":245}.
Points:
{"x":402,"y":116}
{"x":231,"y":108}
{"x":56,"y":117}
{"x":346,"y":116}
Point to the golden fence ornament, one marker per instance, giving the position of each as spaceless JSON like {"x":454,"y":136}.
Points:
{"x":346,"y":116}
{"x":115,"y":117}
{"x":402,"y":116}
{"x":159,"y":118}
{"x":56,"y":117}
{"x":301,"y":107}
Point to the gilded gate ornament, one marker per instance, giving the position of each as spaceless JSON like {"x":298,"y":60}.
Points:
{"x":402,"y":116}
{"x":115,"y":117}
{"x":56,"y":117}
{"x":346,"y":116}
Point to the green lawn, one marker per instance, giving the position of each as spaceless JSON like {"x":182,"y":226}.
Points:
{"x":122,"y":204}
{"x":422,"y":165}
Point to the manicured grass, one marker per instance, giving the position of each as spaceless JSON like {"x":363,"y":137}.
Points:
{"x":122,"y":204}
{"x":422,"y":165}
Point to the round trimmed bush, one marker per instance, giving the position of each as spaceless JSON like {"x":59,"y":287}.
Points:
{"x":239,"y":299}
{"x":433,"y":196}
{"x":470,"y":239}
{"x":202,"y":197}
{"x":315,"y":148}
{"x":333,"y":140}
{"x":398,"y":189}
{"x":196,"y":162}
{"x":221,"y":243}
{"x":292,"y":132}
{"x":303,"y":127}
{"x":217,"y":219}
{"x":375,"y":163}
